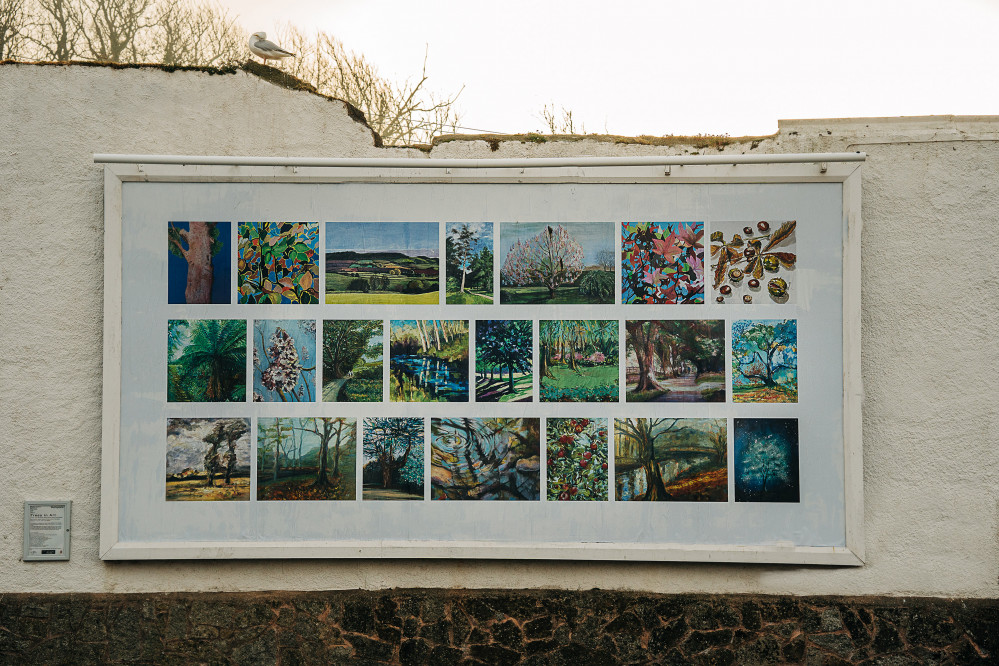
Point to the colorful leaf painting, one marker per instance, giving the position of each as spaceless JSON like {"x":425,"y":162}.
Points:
{"x":278,"y":262}
{"x":662,"y":263}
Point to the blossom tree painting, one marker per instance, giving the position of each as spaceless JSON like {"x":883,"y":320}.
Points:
{"x":284,"y":361}
{"x":766,"y":460}
{"x":662,"y":263}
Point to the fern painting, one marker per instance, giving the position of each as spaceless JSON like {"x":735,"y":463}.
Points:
{"x":199,"y":264}
{"x":278,"y":262}
{"x":206,"y":360}
{"x":284,"y":360}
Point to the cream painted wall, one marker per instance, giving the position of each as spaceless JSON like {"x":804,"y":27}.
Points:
{"x":931,"y":447}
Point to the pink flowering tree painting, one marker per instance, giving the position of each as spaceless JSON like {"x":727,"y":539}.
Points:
{"x":284,"y":365}
{"x":662,"y":262}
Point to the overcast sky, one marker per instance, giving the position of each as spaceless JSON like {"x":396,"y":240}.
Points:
{"x":671,"y":66}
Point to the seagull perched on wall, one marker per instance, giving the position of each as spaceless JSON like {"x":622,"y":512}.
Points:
{"x":267,"y":50}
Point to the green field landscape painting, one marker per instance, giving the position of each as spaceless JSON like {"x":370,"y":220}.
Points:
{"x":557,"y":263}
{"x":468,"y":260}
{"x":385,"y":263}
{"x":352,"y":360}
{"x":579,"y":360}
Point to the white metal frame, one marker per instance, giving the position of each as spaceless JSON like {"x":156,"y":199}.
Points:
{"x":789,"y":168}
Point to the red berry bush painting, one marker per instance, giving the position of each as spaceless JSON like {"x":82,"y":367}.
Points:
{"x":753,"y":263}
{"x":278,"y":263}
{"x":662,"y":263}
{"x":577,"y":459}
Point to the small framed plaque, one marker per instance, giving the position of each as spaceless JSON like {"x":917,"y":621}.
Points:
{"x":46,"y":530}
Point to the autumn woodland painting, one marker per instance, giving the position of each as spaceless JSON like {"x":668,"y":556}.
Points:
{"x":667,"y":459}
{"x":675,"y":361}
{"x":469,"y":263}
{"x":306,"y":458}
{"x":207,"y":459}
{"x":577,"y":459}
{"x":278,"y":262}
{"x":765,"y":360}
{"x":352,"y":360}
{"x":428,"y":361}
{"x":662,"y":263}
{"x":206,"y":360}
{"x":382,"y":263}
{"x":753,"y":262}
{"x":284,"y":360}
{"x":557,"y":263}
{"x":199,"y":262}
{"x":503,"y":353}
{"x":578,"y":360}
{"x":485,"y":459}
{"x":393,"y":458}
{"x":766,"y":460}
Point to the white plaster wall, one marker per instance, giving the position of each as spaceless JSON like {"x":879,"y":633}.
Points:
{"x":931,"y":447}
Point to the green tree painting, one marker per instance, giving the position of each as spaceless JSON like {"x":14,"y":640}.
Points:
{"x":206,"y":360}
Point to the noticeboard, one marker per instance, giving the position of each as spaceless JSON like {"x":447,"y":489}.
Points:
{"x":597,"y":361}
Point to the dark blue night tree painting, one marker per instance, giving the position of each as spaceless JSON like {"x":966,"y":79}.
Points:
{"x":766,"y":460}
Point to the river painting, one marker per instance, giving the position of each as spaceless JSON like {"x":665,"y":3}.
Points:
{"x":428,"y":361}
{"x":671,"y":460}
{"x":485,"y":459}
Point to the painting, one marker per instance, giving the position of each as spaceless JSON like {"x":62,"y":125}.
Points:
{"x":206,"y":360}
{"x":579,"y":360}
{"x":352,"y":360}
{"x":765,"y":360}
{"x":428,"y":361}
{"x":671,"y":460}
{"x":393,"y":458}
{"x":503,"y":360}
{"x":766,"y":460}
{"x":388,"y":263}
{"x":207,"y":459}
{"x":278,"y":262}
{"x":662,"y":263}
{"x":675,"y":361}
{"x":753,"y":263}
{"x":468,"y":261}
{"x":557,"y":263}
{"x":284,"y":360}
{"x":198,"y":263}
{"x":306,"y":458}
{"x":485,"y":459}
{"x":577,"y":459}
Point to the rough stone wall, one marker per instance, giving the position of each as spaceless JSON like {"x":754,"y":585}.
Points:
{"x":930,"y":207}
{"x":442,"y":628}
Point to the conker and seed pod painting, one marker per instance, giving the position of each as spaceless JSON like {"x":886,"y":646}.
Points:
{"x":753,"y":263}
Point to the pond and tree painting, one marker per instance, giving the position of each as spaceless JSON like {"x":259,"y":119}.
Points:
{"x":208,"y":459}
{"x":206,"y":360}
{"x":662,"y":263}
{"x":680,"y":460}
{"x":557,"y":263}
{"x":382,"y":262}
{"x":579,"y":360}
{"x":765,"y":360}
{"x":198,"y":263}
{"x":485,"y":459}
{"x":753,"y":263}
{"x":352,"y":360}
{"x":766,"y":460}
{"x":278,"y":262}
{"x":468,"y":257}
{"x":284,"y":360}
{"x":503,"y":357}
{"x":306,"y":458}
{"x":393,"y":458}
{"x":675,"y":361}
{"x":428,"y":360}
{"x":577,"y":459}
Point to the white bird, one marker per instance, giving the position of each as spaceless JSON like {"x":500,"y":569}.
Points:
{"x":267,"y":50}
